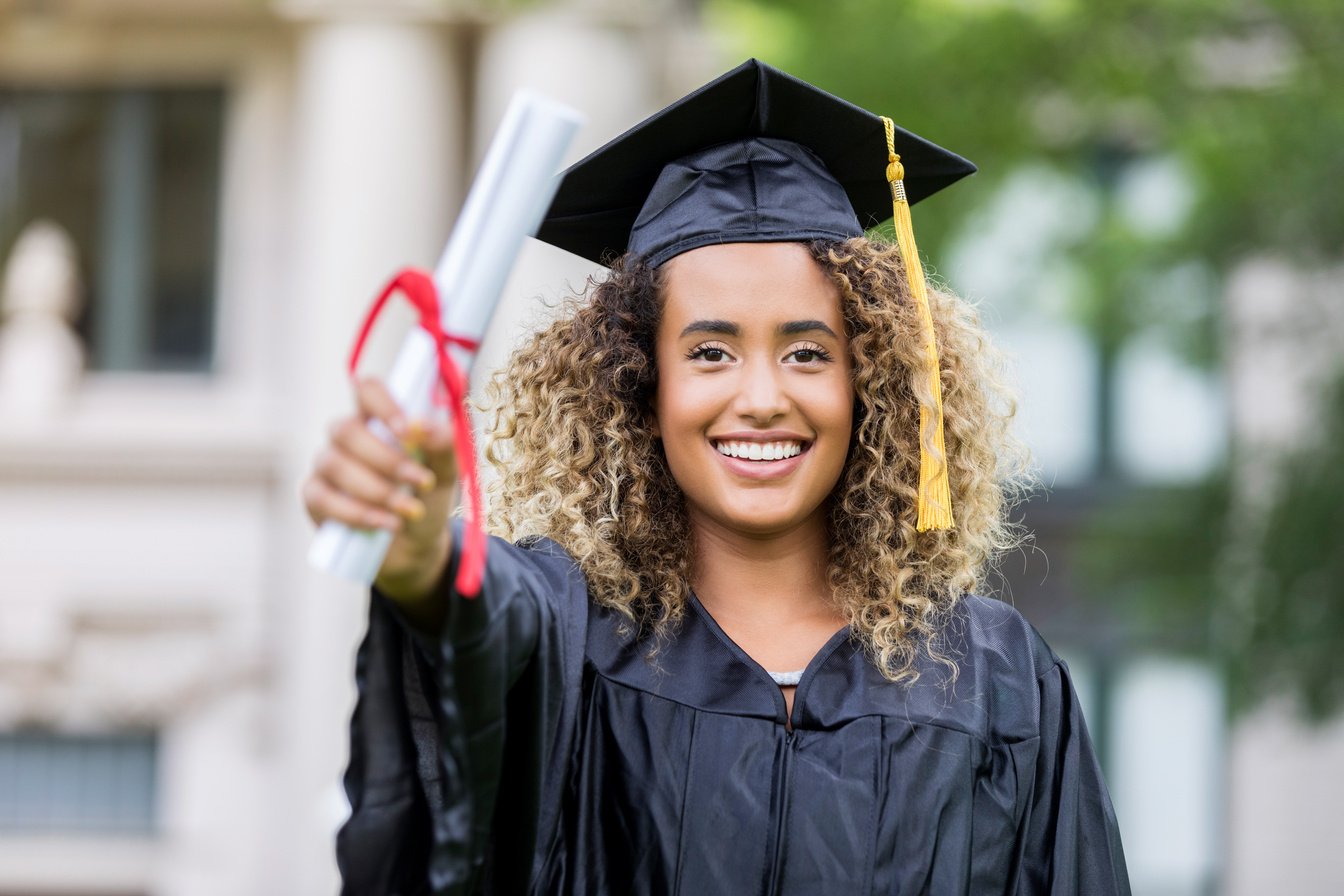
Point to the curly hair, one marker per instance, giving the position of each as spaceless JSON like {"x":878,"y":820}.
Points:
{"x":572,"y":436}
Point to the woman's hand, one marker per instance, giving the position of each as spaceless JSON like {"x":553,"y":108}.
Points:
{"x":409,"y":490}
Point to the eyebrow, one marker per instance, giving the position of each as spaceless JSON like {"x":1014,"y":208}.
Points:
{"x":728,"y":328}
{"x":724,"y":327}
{"x":794,"y":327}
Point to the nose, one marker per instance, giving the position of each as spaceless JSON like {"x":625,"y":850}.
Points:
{"x":761,"y":397}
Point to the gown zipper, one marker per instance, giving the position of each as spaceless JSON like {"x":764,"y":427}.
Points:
{"x":783,"y":782}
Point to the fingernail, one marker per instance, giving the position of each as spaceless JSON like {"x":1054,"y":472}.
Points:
{"x":410,"y":508}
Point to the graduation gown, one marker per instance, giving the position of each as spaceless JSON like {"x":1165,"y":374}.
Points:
{"x":534,"y":749}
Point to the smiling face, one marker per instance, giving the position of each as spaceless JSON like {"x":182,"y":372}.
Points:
{"x":754,"y":404}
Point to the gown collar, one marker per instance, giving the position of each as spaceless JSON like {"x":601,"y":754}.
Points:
{"x":700,"y":666}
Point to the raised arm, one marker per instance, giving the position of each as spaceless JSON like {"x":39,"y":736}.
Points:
{"x":464,"y":705}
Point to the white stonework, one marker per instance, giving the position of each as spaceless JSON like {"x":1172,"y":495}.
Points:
{"x":151,"y":535}
{"x":1283,"y":810}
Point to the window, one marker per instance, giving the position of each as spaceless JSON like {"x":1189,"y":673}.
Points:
{"x":86,"y":784}
{"x":133,"y":175}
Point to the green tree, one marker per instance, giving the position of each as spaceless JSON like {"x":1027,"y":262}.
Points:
{"x":1244,"y":96}
{"x":1245,"y":92}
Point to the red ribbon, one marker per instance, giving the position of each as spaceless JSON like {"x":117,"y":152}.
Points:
{"x":418,"y":287}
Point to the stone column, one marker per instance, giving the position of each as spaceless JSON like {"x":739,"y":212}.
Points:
{"x":378,"y":107}
{"x":602,"y":69}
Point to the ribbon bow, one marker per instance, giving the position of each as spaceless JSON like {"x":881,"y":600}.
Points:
{"x":418,"y":287}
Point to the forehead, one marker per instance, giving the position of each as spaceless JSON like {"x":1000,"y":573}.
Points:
{"x":749,"y":282}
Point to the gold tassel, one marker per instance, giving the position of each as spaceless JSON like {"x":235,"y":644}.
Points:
{"x":935,"y":498}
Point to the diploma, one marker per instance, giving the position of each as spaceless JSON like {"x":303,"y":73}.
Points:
{"x":511,"y":193}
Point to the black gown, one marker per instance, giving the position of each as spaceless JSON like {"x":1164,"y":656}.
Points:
{"x":533,"y":749}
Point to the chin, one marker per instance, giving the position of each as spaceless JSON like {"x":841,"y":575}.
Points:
{"x":773,"y":522}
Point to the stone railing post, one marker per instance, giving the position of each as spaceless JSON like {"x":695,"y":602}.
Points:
{"x":41,"y":357}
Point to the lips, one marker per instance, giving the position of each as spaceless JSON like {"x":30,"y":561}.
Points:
{"x":743,"y":449}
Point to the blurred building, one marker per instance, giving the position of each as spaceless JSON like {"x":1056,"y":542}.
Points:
{"x":1103,"y":420}
{"x":1207,"y":803}
{"x":1285,"y":335}
{"x":197,"y":201}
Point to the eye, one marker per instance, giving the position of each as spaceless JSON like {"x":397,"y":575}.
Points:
{"x":714,"y":354}
{"x":809,"y":354}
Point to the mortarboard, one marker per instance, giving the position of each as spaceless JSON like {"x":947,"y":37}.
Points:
{"x":651,"y":171}
{"x":757,"y":155}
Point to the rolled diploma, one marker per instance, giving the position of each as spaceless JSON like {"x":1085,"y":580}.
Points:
{"x":511,"y":193}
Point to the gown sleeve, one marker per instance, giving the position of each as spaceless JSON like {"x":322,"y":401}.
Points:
{"x":458,"y":744}
{"x":1072,"y":841}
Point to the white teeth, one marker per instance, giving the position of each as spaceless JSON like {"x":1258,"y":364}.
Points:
{"x":759,"y":450}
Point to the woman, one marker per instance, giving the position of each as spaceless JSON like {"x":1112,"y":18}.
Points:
{"x":732,"y":646}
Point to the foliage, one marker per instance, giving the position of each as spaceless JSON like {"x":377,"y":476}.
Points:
{"x":1154,"y":551}
{"x":1289,"y":628}
{"x":1244,"y":91}
{"x":1261,"y":590}
{"x":1244,"y":96}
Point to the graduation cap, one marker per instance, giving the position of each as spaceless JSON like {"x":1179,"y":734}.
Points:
{"x":757,"y":155}
{"x":753,"y":140}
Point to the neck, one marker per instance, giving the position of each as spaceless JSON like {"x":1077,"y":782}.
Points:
{"x":764,"y":579}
